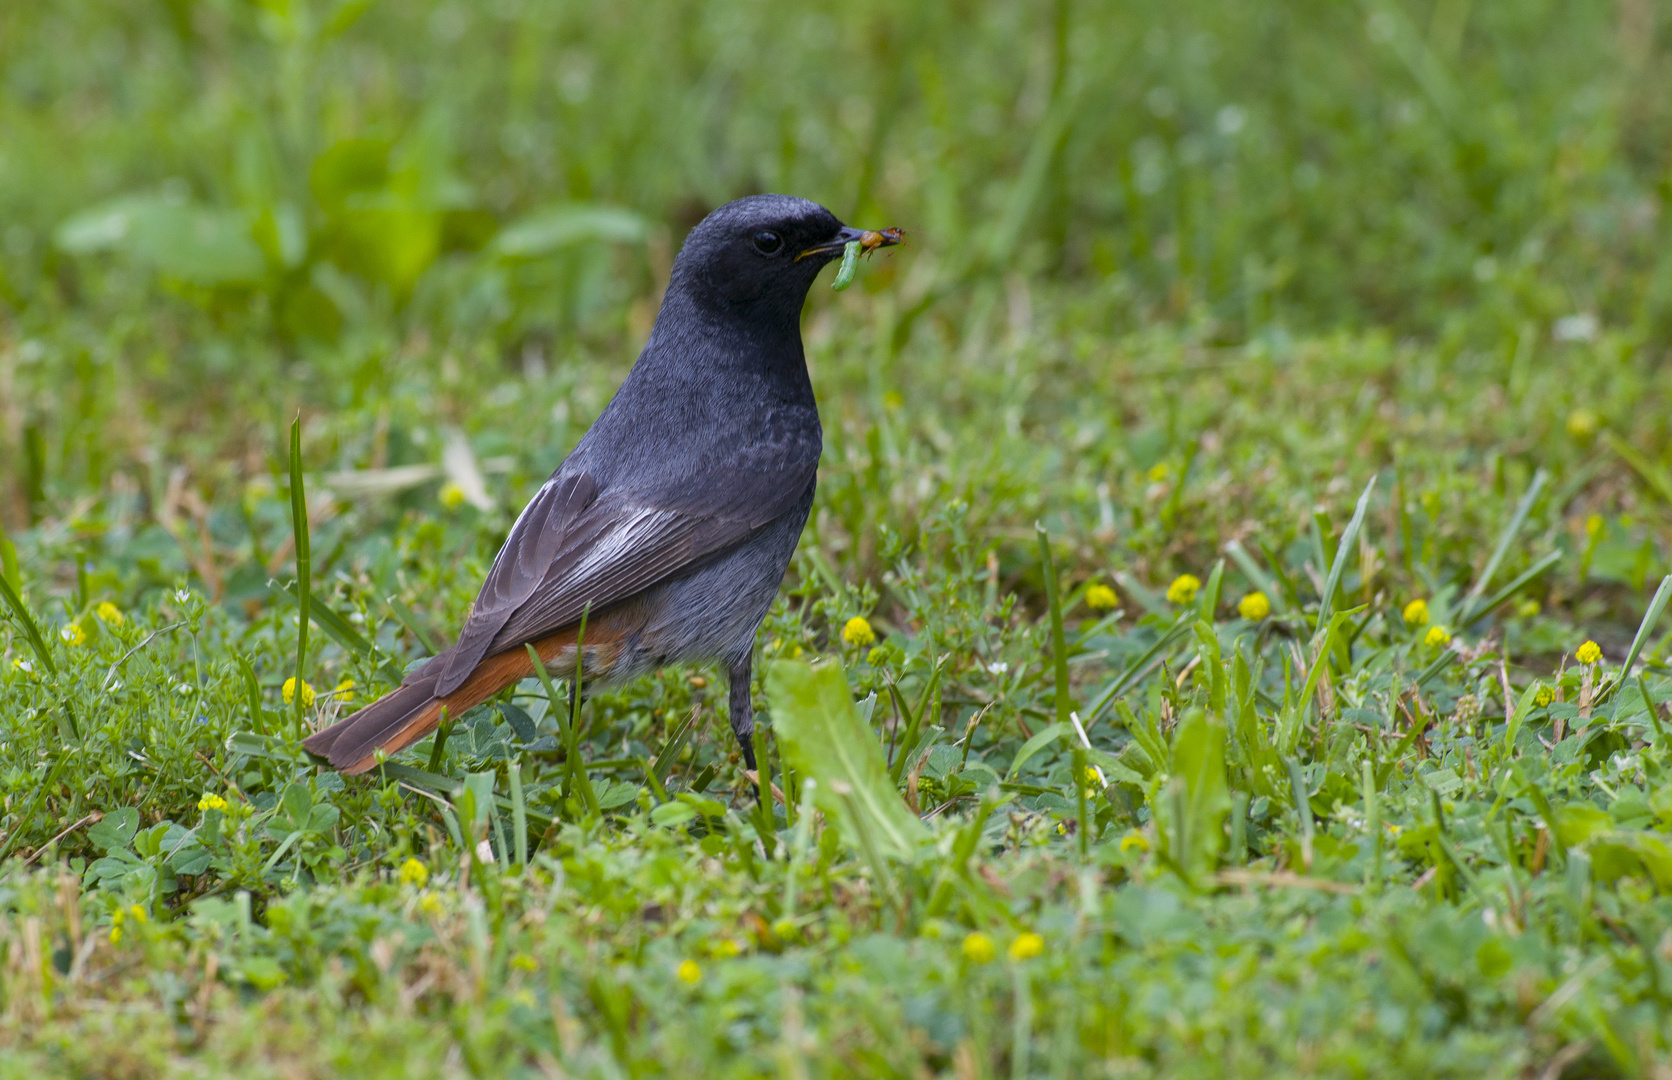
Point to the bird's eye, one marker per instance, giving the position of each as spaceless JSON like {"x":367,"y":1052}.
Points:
{"x":768,"y":243}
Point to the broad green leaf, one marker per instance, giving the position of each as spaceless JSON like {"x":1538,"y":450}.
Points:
{"x":200,"y":244}
{"x":1578,"y":822}
{"x":670,"y":814}
{"x":1199,"y":764}
{"x":294,"y":810}
{"x":474,"y":797}
{"x":555,"y":227}
{"x":115,"y":830}
{"x":1040,"y":741}
{"x":822,"y":736}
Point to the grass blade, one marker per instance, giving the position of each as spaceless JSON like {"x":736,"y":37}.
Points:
{"x":252,"y":692}
{"x":519,"y":812}
{"x":409,"y":620}
{"x":1491,"y":602}
{"x":1652,"y":474}
{"x":1135,"y":670}
{"x":1303,"y":809}
{"x":27,"y":621}
{"x":1256,"y":576}
{"x":1343,"y":552}
{"x":1644,"y":628}
{"x":339,"y":630}
{"x":577,"y":775}
{"x":674,"y":746}
{"x":8,"y":563}
{"x":1059,"y":643}
{"x":1136,"y":589}
{"x":1471,"y":602}
{"x":1437,"y":665}
{"x":304,"y":567}
{"x":927,"y":703}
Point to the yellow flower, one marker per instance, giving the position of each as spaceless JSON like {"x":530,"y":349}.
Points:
{"x":290,"y":692}
{"x":1254,"y":606}
{"x":856,"y":631}
{"x":893,"y":400}
{"x":345,"y":690}
{"x":211,"y":801}
{"x":1595,"y":527}
{"x":73,"y":634}
{"x":1091,"y":778}
{"x":1582,"y":423}
{"x":1183,"y":589}
{"x":1134,"y":840}
{"x":430,"y":904}
{"x":110,"y":613}
{"x":1528,"y":608}
{"x":414,"y":872}
{"x":978,"y":948}
{"x":1158,"y":471}
{"x":1588,"y":653}
{"x":524,"y":962}
{"x":1416,"y":613}
{"x":1544,"y":696}
{"x":690,"y":972}
{"x":1101,"y":598}
{"x":725,"y":948}
{"x":1026,"y":946}
{"x":1436,"y":637}
{"x":451,"y":495}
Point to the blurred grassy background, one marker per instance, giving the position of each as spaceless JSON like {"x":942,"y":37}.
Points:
{"x":407,"y":219}
{"x":316,"y":183}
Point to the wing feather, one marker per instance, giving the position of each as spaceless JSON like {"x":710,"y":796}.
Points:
{"x":579,"y":542}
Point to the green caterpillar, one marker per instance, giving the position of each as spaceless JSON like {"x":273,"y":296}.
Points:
{"x":850,"y":261}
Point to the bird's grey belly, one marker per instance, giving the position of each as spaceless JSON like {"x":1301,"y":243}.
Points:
{"x":714,"y":612}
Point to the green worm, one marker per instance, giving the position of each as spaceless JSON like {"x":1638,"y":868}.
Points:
{"x":850,"y":260}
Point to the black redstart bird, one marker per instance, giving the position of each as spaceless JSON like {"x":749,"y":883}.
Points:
{"x":670,"y":525}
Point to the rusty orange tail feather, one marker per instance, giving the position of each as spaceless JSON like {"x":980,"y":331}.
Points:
{"x":403,"y":716}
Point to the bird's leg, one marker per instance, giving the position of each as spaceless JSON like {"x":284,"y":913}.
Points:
{"x":742,"y":708}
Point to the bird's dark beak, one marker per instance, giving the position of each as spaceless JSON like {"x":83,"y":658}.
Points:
{"x":869,"y":241}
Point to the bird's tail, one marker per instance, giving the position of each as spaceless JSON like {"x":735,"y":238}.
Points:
{"x":403,"y":716}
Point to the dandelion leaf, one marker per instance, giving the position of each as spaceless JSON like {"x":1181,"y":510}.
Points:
{"x":823,"y":737}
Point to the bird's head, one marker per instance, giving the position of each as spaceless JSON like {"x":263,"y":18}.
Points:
{"x":765,"y":251}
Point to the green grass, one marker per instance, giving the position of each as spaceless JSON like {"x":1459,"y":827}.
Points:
{"x":1349,"y":305}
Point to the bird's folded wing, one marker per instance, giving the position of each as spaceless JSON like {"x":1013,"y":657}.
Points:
{"x":572,"y":548}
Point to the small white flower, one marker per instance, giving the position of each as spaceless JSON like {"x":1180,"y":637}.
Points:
{"x":1580,"y":327}
{"x":998,"y":667}
{"x":185,"y":688}
{"x":181,"y":596}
